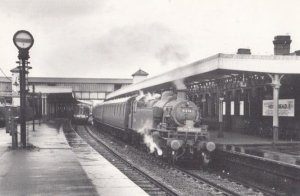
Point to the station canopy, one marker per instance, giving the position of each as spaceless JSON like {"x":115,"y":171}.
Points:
{"x":216,"y":67}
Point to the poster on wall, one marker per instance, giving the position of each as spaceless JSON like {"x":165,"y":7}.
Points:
{"x":286,"y":107}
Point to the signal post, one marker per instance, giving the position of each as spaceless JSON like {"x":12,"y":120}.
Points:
{"x":23,"y":40}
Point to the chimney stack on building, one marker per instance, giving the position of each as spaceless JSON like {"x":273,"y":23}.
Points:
{"x":282,"y":44}
{"x":297,"y":52}
{"x":244,"y":51}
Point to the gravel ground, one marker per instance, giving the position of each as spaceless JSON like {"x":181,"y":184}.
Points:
{"x":184,"y":185}
{"x":157,"y":169}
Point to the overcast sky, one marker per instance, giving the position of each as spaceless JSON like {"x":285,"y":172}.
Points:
{"x":114,"y":38}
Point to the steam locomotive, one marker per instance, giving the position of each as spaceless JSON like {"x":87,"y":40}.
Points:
{"x":165,"y":124}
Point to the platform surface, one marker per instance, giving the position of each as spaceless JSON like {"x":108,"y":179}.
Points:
{"x":107,"y":179}
{"x":282,"y":151}
{"x":233,"y":138}
{"x":53,"y":168}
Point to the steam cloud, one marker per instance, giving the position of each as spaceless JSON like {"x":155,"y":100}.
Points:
{"x":148,"y":140}
{"x":147,"y":137}
{"x":147,"y":97}
{"x":179,"y":84}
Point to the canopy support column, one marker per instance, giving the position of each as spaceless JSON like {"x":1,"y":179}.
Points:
{"x":276,"y":78}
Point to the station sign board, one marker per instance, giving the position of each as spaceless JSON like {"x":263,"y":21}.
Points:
{"x":286,"y":107}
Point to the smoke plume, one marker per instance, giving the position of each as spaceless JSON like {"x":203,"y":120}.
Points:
{"x":171,"y":53}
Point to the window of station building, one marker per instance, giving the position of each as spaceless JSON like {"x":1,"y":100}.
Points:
{"x":224,"y":107}
{"x":253,"y":101}
{"x":231,"y":108}
{"x":117,"y":86}
{"x":200,"y":105}
{"x":246,"y":98}
{"x":242,"y":103}
{"x":237,"y":99}
{"x":213,"y":105}
{"x":209,"y":105}
{"x":205,"y":105}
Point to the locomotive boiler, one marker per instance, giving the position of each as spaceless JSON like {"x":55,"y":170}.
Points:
{"x":166,"y":125}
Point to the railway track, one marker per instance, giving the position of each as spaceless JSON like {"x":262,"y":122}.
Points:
{"x":142,"y":179}
{"x":212,"y":183}
{"x":274,"y":178}
{"x":225,"y":185}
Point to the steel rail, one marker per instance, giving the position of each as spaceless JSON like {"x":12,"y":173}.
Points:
{"x":164,"y":188}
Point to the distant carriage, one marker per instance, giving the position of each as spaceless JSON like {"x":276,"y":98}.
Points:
{"x":81,"y":113}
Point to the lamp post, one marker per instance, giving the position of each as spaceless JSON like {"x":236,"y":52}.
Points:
{"x":23,"y":40}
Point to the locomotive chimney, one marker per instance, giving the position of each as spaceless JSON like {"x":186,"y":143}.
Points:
{"x":181,"y":95}
{"x":282,"y":44}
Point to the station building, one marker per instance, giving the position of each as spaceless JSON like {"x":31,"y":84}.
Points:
{"x":55,"y":97}
{"x":245,"y":93}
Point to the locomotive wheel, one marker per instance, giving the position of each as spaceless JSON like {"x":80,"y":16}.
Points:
{"x":171,"y":157}
{"x":174,"y":157}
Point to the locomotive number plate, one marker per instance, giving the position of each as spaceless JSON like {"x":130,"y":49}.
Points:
{"x":186,"y":110}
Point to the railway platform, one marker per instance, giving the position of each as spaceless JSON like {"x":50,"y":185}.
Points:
{"x":259,"y":161}
{"x":283,"y":151}
{"x":52,"y":167}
